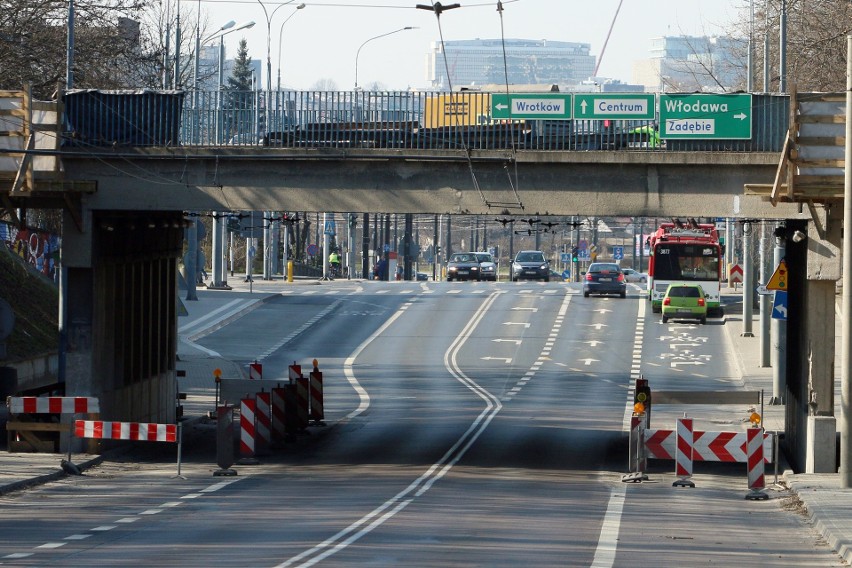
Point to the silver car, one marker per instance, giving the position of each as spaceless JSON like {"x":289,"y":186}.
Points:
{"x":487,"y":266}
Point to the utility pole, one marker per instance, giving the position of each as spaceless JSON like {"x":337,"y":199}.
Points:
{"x":748,"y":278}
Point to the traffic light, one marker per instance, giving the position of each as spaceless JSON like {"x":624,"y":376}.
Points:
{"x":233,"y":224}
{"x":575,"y":254}
{"x":353,"y":220}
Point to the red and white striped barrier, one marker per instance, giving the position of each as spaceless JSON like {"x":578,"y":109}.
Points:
{"x":316,"y":404}
{"x":706,"y":446}
{"x":247,"y":427}
{"x":52,"y":405}
{"x":295,"y":372}
{"x":255,"y":371}
{"x":684,"y":454}
{"x":263,"y":421}
{"x":756,"y":480}
{"x":279,"y":415}
{"x":302,"y":402}
{"x":138,"y":431}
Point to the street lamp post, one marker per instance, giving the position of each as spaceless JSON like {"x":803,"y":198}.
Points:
{"x":269,"y":17}
{"x":198,"y":43}
{"x":280,"y":36}
{"x":358,"y":53}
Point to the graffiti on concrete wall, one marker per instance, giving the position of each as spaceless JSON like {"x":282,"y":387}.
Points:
{"x":39,"y":248}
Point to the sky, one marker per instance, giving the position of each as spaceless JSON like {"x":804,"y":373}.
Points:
{"x":321,"y":40}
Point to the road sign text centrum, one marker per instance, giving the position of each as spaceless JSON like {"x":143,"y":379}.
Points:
{"x":705,"y":116}
{"x":614,"y":106}
{"x":554,"y":106}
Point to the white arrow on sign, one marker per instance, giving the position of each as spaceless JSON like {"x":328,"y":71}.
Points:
{"x":782,"y":310}
{"x":516,"y":323}
{"x":505,"y":360}
{"x":588,"y":361}
{"x":515,"y":341}
{"x":763,"y":291}
{"x":741,"y":116}
{"x":583,"y":106}
{"x":499,"y":106}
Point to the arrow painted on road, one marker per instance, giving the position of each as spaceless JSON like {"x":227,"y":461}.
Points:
{"x":593,"y":343}
{"x":603,"y":311}
{"x":597,"y":326}
{"x":527,"y":309}
{"x":741,"y":116}
{"x":504,"y":359}
{"x":515,"y":341}
{"x":676,"y":363}
{"x":588,"y":361}
{"x":675,"y":345}
{"x":516,"y":323}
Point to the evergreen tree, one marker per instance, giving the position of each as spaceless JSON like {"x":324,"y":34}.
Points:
{"x":241,"y":119}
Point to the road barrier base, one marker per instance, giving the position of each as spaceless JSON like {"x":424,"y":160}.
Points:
{"x":684,"y":482}
{"x":228,"y":472}
{"x":635,"y":477}
{"x":756,"y":495}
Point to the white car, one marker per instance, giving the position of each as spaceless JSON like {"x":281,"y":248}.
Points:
{"x":633,"y":276}
{"x":487,"y":266}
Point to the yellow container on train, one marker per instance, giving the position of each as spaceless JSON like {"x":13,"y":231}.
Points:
{"x":457,"y":109}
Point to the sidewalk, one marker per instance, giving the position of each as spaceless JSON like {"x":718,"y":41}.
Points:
{"x":829,"y":506}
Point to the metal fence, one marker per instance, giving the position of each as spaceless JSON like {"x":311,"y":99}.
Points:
{"x":399,"y":120}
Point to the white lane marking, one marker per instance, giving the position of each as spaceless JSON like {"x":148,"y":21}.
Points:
{"x":363,"y":395}
{"x":317,"y":317}
{"x":51,"y":545}
{"x":184,"y":330}
{"x":77,"y":536}
{"x":128,"y":520}
{"x":608,"y":541}
{"x":15,"y":555}
{"x":422,"y":484}
{"x":103,"y":528}
{"x":220,"y":485}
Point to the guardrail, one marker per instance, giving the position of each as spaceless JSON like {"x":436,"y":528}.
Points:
{"x":373,"y":119}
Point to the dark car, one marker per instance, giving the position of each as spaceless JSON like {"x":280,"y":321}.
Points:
{"x":530,"y":265}
{"x":463,"y":266}
{"x":604,"y":278}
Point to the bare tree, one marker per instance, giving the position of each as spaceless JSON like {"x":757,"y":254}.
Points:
{"x":118,"y":44}
{"x":324,"y":85}
{"x":816,"y":42}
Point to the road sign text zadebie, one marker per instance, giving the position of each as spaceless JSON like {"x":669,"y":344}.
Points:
{"x":705,"y":116}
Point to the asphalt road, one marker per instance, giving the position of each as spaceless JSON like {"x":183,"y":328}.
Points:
{"x":470,"y":424}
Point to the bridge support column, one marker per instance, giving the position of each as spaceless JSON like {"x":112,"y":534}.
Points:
{"x":122,"y":317}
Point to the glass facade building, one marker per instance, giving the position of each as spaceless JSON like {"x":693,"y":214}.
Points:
{"x":471,"y":63}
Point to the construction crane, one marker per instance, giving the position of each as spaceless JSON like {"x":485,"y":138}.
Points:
{"x":606,"y":41}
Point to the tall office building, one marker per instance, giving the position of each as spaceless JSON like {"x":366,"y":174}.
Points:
{"x":470,"y":63}
{"x":688,"y":63}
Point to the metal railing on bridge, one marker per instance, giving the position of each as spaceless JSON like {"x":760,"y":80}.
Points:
{"x":373,"y":119}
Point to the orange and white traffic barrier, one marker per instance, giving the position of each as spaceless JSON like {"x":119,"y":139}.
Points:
{"x":137,"y":431}
{"x":263,"y":422}
{"x":52,"y":405}
{"x":756,"y":480}
{"x":316,"y":405}
{"x":683,"y":453}
{"x":248,"y":409}
{"x":279,"y":415}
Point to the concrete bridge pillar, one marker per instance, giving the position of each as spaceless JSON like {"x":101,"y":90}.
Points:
{"x":121,"y":322}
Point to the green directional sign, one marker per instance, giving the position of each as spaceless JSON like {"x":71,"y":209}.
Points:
{"x":614,"y":106}
{"x":554,"y":106}
{"x":705,"y":116}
